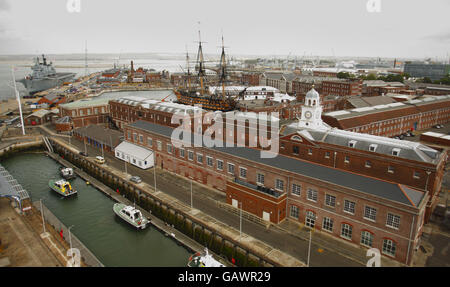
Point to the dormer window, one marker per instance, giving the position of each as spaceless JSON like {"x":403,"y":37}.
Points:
{"x":352,"y":143}
{"x":373,"y":147}
{"x":395,"y":151}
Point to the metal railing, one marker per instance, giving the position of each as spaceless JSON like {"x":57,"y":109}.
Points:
{"x":86,"y":255}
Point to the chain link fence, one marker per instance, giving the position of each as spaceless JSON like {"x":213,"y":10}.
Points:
{"x":86,"y":255}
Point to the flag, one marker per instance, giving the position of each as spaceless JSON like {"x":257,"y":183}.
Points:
{"x":233,"y":261}
{"x":61,"y":234}
{"x":118,"y":191}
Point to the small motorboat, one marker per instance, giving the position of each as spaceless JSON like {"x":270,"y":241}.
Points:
{"x":131,"y":215}
{"x":62,"y":187}
{"x":203,"y":260}
{"x":67,"y":172}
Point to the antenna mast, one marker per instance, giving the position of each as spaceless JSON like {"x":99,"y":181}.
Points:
{"x":85,"y":59}
{"x":18,"y":99}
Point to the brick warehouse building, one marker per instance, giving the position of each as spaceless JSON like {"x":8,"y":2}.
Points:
{"x":393,"y":119}
{"x":411,"y":166}
{"x":86,"y":112}
{"x":352,"y":207}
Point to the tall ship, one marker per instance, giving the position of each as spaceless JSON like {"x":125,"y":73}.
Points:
{"x":44,"y":77}
{"x":199,"y":94}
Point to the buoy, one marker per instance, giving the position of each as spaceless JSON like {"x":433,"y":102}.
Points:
{"x":87,"y":182}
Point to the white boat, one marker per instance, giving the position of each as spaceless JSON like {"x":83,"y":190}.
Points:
{"x":131,"y":215}
{"x":203,"y":260}
{"x":67,"y":172}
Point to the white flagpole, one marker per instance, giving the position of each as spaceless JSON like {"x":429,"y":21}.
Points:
{"x":18,"y":100}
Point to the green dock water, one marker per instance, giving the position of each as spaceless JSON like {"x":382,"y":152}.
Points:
{"x":112,"y":241}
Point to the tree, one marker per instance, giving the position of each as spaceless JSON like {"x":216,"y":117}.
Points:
{"x":426,"y":80}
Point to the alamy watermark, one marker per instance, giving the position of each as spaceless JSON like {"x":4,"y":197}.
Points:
{"x":256,"y":124}
{"x":373,"y":6}
{"x":73,"y":6}
{"x":375,"y":257}
{"x":75,"y":257}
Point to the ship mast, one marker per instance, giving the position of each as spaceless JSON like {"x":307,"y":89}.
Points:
{"x":188,"y":71}
{"x":200,"y":60}
{"x":222,"y":68}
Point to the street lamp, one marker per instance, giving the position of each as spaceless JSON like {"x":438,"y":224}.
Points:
{"x":70,"y":242}
{"x":240,"y":221}
{"x":191,"y":194}
{"x":309,"y":248}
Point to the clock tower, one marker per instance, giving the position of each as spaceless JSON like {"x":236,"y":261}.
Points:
{"x":311,"y":111}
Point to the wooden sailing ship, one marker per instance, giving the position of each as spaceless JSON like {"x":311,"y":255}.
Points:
{"x":199,"y":94}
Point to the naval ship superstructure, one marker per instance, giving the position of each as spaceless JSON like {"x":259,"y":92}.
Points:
{"x":44,"y":77}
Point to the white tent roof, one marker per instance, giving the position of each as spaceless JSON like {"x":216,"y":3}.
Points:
{"x":133,"y":150}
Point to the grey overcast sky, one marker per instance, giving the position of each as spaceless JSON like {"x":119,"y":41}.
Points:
{"x":403,"y":28}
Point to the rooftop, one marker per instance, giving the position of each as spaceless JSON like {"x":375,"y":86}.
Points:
{"x":367,"y":185}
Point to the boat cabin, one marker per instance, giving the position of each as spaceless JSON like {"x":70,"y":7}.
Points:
{"x":132,"y":213}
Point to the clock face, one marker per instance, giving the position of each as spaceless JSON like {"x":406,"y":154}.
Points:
{"x":308,"y":114}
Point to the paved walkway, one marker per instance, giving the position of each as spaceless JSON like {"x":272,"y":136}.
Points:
{"x":20,"y":244}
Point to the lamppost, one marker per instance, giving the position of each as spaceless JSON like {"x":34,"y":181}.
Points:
{"x":191,"y":195}
{"x":309,"y":248}
{"x":70,"y":242}
{"x":240,"y":221}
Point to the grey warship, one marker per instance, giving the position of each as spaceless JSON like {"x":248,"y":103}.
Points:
{"x":44,"y":77}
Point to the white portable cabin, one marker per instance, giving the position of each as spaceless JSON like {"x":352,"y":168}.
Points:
{"x":134,"y":154}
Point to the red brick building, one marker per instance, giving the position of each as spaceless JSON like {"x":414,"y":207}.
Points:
{"x":250,"y":79}
{"x":86,"y":112}
{"x":358,"y":209}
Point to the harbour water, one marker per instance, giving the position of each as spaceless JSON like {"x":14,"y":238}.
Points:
{"x":111,"y":240}
{"x":75,"y":64}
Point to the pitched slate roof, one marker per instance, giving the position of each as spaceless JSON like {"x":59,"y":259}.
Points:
{"x":387,"y":190}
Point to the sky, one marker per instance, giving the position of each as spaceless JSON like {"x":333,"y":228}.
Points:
{"x":400,"y":28}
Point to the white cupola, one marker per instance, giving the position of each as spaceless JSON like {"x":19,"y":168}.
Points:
{"x":311,"y":111}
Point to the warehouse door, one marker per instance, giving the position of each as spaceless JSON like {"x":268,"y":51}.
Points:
{"x":266,"y":216}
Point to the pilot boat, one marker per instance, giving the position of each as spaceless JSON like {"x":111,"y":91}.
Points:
{"x":131,"y":215}
{"x":62,"y":187}
{"x":67,"y":172}
{"x":203,"y":260}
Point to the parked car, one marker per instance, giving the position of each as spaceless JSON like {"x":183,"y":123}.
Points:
{"x":99,"y":159}
{"x":401,"y":137}
{"x":411,"y":134}
{"x":136,"y":179}
{"x":437,"y":126}
{"x":83,"y":153}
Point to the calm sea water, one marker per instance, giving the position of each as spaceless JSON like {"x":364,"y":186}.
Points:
{"x":75,"y":64}
{"x":111,"y":240}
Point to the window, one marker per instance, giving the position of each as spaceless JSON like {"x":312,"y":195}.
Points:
{"x":182,"y":152}
{"x":346,"y":231}
{"x":295,"y":149}
{"x":190,"y":155}
{"x":149,"y":142}
{"x":370,"y":213}
{"x":416,"y":174}
{"x":368,"y":163}
{"x":330,"y":200}
{"x":310,"y":219}
{"x":312,"y":194}
{"x":327,"y":154}
{"x":209,"y":161}
{"x":395,"y":151}
{"x":135,"y":139}
{"x":347,"y":159}
{"x":199,"y":158}
{"x":279,"y":184}
{"x":129,"y":135}
{"x":230,"y":168}
{"x":391,"y":169}
{"x":296,"y":189}
{"x":366,"y":238}
{"x":242,"y":172}
{"x":169,"y":148}
{"x":159,"y":145}
{"x":352,"y":143}
{"x":393,"y":220}
{"x":260,"y":178}
{"x":389,"y":247}
{"x":294,"y":211}
{"x":220,"y":164}
{"x":349,"y":206}
{"x":310,"y":151}
{"x":327,"y":224}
